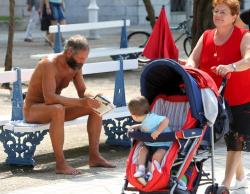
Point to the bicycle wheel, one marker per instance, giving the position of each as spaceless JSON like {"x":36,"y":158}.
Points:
{"x":138,"y":39}
{"x":187,"y":45}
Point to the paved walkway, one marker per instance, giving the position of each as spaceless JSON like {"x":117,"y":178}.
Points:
{"x":42,"y":179}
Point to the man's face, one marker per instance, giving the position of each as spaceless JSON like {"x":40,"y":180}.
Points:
{"x":76,"y":61}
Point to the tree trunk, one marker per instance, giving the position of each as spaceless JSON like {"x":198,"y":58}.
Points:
{"x":150,"y":11}
{"x":8,"y":56}
{"x":202,"y":19}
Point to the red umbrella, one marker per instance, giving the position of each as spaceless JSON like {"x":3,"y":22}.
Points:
{"x":161,"y":43}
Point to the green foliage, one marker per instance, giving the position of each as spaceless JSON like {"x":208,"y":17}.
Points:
{"x":6,"y":18}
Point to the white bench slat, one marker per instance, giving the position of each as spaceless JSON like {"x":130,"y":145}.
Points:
{"x":109,"y":66}
{"x":20,"y":126}
{"x":98,"y":52}
{"x":88,"y":26}
{"x":102,"y":52}
{"x":11,"y":76}
{"x":4,"y":120}
{"x":8,"y":76}
{"x":88,"y":68}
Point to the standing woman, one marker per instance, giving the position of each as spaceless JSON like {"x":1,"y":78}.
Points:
{"x":228,"y":48}
{"x":55,"y":11}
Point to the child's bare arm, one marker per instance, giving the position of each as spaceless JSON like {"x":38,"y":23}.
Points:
{"x":135,"y":127}
{"x":162,"y":126}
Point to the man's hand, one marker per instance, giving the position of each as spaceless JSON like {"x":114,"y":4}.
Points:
{"x":155,"y":134}
{"x":91,"y":102}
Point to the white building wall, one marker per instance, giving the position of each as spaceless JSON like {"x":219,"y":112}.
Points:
{"x":246,"y":4}
{"x":76,"y":10}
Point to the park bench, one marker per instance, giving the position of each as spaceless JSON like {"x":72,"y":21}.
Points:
{"x":114,"y":52}
{"x":20,"y":138}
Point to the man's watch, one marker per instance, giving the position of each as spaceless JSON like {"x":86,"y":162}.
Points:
{"x":234,"y":67}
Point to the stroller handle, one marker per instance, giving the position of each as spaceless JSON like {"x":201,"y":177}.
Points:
{"x":224,"y":81}
{"x":227,"y":76}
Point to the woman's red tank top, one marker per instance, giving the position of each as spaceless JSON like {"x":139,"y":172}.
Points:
{"x":238,"y":86}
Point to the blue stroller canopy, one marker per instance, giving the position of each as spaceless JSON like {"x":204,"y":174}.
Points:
{"x":166,"y":76}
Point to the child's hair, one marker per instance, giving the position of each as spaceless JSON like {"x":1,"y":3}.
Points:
{"x":139,"y":106}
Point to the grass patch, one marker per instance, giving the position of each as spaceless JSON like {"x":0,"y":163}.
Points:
{"x":6,"y":18}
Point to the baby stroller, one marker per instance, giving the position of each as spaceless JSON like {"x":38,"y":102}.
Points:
{"x":189,"y":98}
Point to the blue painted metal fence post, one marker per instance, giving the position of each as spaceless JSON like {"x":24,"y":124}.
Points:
{"x":119,"y":92}
{"x":124,"y":37}
{"x":116,"y":129}
{"x":58,"y":40}
{"x":17,"y":98}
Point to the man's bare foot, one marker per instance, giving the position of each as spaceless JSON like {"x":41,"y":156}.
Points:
{"x":100,"y":162}
{"x":67,"y":170}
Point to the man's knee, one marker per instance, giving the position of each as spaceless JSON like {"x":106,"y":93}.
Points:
{"x":58,"y":110}
{"x":94,"y":114}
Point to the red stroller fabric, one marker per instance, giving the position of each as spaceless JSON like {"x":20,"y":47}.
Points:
{"x":160,"y":179}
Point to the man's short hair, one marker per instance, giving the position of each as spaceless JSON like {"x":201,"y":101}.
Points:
{"x":76,"y":43}
{"x":139,"y":106}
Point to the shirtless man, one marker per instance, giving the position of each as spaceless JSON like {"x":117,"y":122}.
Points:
{"x":44,"y":104}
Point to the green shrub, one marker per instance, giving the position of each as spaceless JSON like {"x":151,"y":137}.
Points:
{"x":6,"y":18}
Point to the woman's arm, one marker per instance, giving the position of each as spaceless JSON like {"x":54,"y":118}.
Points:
{"x":194,"y":58}
{"x":240,"y":65}
{"x":48,"y":11}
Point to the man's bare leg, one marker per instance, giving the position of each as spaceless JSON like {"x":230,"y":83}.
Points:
{"x":55,"y":114}
{"x":94,"y":127}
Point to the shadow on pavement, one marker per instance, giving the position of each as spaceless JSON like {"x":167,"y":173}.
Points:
{"x":77,"y":157}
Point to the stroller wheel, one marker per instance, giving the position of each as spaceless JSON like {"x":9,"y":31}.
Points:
{"x":222,"y":190}
{"x":216,"y":190}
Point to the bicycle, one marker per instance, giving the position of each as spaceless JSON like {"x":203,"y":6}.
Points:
{"x":140,"y":38}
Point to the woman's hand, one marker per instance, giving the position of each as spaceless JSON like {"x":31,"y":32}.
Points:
{"x":29,"y":8}
{"x":223,"y":70}
{"x":48,"y":10}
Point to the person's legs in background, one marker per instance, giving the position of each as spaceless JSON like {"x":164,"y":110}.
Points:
{"x":34,"y":18}
{"x":57,"y":16}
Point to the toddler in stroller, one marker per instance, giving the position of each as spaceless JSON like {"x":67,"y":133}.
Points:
{"x":155,"y":125}
{"x":188,"y":98}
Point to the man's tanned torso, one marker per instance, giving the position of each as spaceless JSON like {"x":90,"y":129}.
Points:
{"x":62,"y":80}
